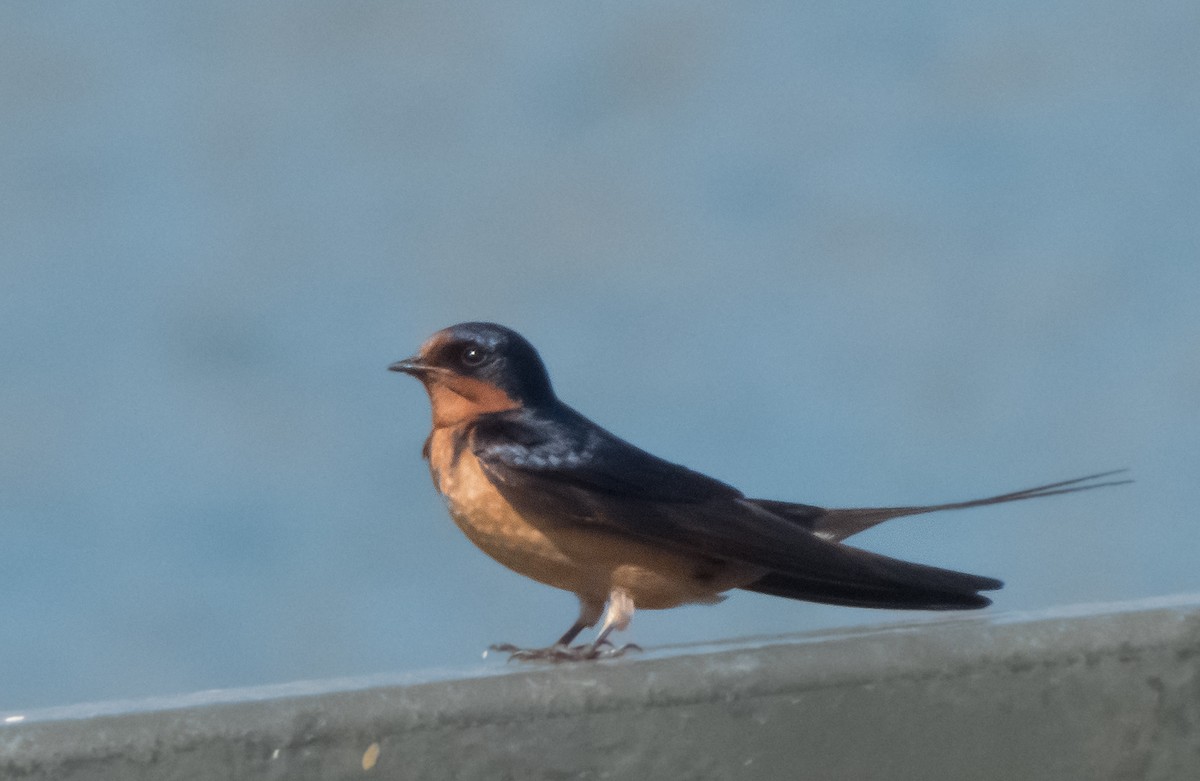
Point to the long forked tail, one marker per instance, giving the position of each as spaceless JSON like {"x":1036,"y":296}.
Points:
{"x":838,"y":524}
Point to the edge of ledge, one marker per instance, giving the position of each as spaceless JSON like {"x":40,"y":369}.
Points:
{"x":345,"y":715}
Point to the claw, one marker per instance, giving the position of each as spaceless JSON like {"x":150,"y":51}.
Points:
{"x":506,"y":648}
{"x":562,"y":653}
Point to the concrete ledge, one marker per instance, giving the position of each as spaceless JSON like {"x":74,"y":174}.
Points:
{"x":1099,"y":692}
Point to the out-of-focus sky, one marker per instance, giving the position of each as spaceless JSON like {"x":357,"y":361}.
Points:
{"x":839,"y":254}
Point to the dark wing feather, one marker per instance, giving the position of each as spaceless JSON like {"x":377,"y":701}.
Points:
{"x":558,"y":467}
{"x":781,"y":584}
{"x":563,"y":446}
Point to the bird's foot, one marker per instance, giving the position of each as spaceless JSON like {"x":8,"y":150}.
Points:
{"x":563,"y":653}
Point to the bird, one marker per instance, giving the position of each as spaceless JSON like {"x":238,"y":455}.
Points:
{"x":551,"y":495}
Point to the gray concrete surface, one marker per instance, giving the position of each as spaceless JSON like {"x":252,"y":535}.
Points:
{"x":1093,"y":692}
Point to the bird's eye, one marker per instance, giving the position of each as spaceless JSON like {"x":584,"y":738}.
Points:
{"x":473,"y":356}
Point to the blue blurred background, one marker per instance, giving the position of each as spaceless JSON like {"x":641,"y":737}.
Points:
{"x":834,"y":253}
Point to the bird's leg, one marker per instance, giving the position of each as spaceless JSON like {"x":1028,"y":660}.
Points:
{"x":589,"y":614}
{"x":617,"y":617}
{"x":573,"y":632}
{"x":619,"y":614}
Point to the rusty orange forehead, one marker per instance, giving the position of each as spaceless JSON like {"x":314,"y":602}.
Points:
{"x":433,"y":343}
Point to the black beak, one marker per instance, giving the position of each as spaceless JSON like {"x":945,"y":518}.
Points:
{"x":409,"y":366}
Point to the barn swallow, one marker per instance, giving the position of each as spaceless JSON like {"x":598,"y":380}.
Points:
{"x":551,"y":495}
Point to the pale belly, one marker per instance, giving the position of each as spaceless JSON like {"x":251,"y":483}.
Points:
{"x":588,"y":562}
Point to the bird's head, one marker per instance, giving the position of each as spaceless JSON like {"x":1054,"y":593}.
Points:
{"x":472,"y":369}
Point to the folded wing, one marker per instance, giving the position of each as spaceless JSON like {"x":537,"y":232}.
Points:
{"x":558,"y":466}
